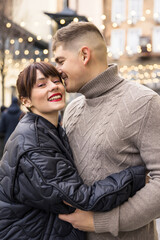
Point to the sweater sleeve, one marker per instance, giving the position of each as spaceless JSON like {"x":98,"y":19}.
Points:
{"x":146,"y":200}
{"x":52,"y":179}
{"x":143,"y":207}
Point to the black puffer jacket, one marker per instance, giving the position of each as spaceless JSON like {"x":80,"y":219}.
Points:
{"x":37,"y":173}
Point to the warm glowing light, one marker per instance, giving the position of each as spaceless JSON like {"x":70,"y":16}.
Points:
{"x":36,"y":52}
{"x":22,"y":24}
{"x":38,"y":59}
{"x":45,"y":51}
{"x":75,"y":19}
{"x":12,"y":41}
{"x":143,"y":19}
{"x":156,"y":15}
{"x":129,"y":21}
{"x":49,"y":36}
{"x":20,"y":40}
{"x":46,"y":60}
{"x":39,"y":38}
{"x":148,"y":11}
{"x":103,"y":17}
{"x":30,"y":39}
{"x":62,"y":21}
{"x":7,"y":51}
{"x":23,"y":60}
{"x":17,"y":52}
{"x":31,"y":60}
{"x":109,"y":54}
{"x":8,"y":25}
{"x":139,"y":50}
{"x":26,"y":52}
{"x":90,"y":19}
{"x":114,"y":25}
{"x":102,"y":27}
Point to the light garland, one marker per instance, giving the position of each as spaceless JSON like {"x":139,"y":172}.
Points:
{"x":145,"y":74}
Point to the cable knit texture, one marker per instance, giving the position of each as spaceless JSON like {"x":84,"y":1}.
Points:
{"x":113,"y":125}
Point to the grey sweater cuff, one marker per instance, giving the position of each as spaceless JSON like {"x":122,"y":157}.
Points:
{"x":107,"y":222}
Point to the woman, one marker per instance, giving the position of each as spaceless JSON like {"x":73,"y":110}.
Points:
{"x":37,"y":171}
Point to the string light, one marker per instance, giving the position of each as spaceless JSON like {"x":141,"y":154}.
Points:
{"x":6,"y":51}
{"x":103,"y":17}
{"x":39,"y":38}
{"x":62,"y":21}
{"x":148,"y":11}
{"x":49,"y":36}
{"x":12,"y":41}
{"x":45,"y":51}
{"x":31,"y":60}
{"x":129,"y":21}
{"x":46,"y":60}
{"x":20,"y":40}
{"x":23,"y":60}
{"x":22,"y":24}
{"x":17,"y":52}
{"x":90,"y":19}
{"x":75,"y":19}
{"x":38,"y":59}
{"x":102,"y":27}
{"x":30,"y":39}
{"x":114,"y":25}
{"x":26,"y":52}
{"x":143,"y":18}
{"x":17,"y":65}
{"x":36,"y":52}
{"x":8,"y":25}
{"x":144,"y":74}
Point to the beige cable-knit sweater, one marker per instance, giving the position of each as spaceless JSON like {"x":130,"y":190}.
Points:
{"x":116,"y":124}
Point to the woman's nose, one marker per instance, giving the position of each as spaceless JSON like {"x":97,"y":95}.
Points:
{"x":52,"y":86}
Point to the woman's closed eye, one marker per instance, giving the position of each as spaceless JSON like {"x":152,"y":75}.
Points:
{"x":57,"y":81}
{"x":41,"y":84}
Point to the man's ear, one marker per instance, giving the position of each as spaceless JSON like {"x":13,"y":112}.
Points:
{"x":85,"y":54}
{"x":26,"y":102}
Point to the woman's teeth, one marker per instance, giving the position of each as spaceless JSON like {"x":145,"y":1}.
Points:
{"x":55,"y":97}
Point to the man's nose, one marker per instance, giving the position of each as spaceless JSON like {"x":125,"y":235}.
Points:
{"x":58,"y":67}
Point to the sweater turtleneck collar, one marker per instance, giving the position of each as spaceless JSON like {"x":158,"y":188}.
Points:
{"x":102,"y":83}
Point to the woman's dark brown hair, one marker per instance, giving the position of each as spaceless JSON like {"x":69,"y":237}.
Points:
{"x":27,"y":78}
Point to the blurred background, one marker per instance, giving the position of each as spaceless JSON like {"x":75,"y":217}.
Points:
{"x":131,"y":29}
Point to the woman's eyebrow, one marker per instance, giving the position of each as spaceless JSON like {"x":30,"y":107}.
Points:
{"x":41,"y":78}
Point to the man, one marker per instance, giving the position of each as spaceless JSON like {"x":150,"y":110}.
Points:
{"x":113,"y":125}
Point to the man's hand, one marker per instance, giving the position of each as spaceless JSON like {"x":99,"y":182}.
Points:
{"x":82,"y":220}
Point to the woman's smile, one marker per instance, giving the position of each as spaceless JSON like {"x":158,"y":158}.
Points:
{"x":55,"y":97}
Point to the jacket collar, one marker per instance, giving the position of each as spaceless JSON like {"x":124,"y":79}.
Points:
{"x":102,"y":83}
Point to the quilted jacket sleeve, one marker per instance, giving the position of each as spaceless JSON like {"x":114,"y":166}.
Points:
{"x":44,"y":182}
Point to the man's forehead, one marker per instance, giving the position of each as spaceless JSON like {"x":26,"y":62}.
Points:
{"x":59,"y":51}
